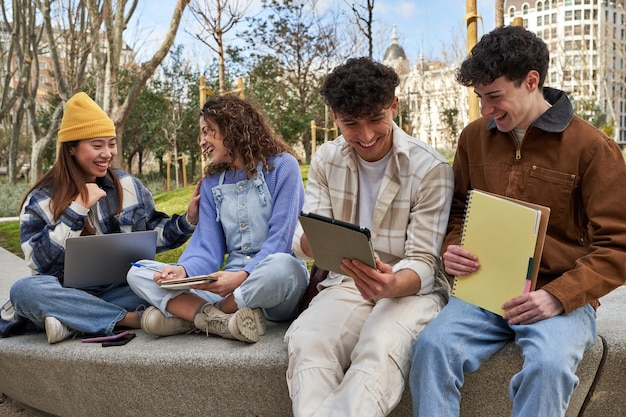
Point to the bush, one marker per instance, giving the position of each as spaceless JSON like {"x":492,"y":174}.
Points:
{"x":12,"y":195}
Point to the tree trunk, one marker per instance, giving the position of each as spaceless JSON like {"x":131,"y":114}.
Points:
{"x":119,"y":112}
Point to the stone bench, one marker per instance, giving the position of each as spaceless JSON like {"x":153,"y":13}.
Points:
{"x":192,"y":375}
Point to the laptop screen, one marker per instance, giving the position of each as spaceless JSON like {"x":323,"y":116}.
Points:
{"x":105,"y":259}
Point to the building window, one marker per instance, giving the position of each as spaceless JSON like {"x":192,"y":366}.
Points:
{"x":525,"y":9}
{"x":539,"y":6}
{"x":511,"y":12}
{"x":539,"y":20}
{"x":568,"y":16}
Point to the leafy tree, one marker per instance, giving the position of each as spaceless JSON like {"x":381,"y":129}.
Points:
{"x":144,"y":127}
{"x":590,"y":111}
{"x":19,"y":61}
{"x":450,"y":119}
{"x":292,"y":47}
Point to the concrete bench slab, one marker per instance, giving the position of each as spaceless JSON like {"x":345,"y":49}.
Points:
{"x":195,"y":375}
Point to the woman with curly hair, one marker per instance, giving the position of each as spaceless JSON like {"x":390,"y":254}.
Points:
{"x":251,"y":195}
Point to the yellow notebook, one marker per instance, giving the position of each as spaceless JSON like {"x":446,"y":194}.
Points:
{"x":507,"y":236}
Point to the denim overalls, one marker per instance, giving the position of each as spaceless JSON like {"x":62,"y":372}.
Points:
{"x":276,"y":284}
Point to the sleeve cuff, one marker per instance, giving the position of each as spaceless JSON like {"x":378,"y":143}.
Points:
{"x":424,"y":271}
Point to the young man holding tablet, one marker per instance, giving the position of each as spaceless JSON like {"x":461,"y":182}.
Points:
{"x":349,"y":351}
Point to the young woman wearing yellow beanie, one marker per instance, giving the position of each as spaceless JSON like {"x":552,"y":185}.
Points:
{"x":82,"y":194}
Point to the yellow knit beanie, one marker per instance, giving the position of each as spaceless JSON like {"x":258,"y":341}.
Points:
{"x":84,"y":119}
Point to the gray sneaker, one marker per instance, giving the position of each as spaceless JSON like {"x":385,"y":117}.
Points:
{"x":259,"y":316}
{"x":57,"y":331}
{"x":240,"y":325}
{"x":154,"y":323}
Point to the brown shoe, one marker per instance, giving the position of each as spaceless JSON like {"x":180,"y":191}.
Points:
{"x":240,"y":325}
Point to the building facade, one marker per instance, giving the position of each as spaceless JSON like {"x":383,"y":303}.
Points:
{"x":433,"y":106}
{"x":587,"y":42}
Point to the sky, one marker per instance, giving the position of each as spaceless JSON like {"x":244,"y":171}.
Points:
{"x":428,"y":27}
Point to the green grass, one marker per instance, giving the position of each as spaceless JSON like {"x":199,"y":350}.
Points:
{"x":10,"y":237}
{"x":172,"y":202}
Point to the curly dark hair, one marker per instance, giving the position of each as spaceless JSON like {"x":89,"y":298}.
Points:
{"x":245,"y":133}
{"x":509,"y":51}
{"x":360,"y":87}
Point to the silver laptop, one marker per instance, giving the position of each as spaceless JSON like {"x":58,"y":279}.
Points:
{"x":105,"y":259}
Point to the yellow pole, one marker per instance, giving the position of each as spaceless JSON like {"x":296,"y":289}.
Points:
{"x":202,"y":91}
{"x":240,"y":87}
{"x":472,"y":38}
{"x":312,"y":138}
{"x":169,"y":161}
{"x":184,"y":159}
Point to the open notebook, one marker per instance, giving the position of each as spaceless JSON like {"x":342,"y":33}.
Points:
{"x":105,"y":259}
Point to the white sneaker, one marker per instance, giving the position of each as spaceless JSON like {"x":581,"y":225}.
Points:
{"x":57,"y":331}
{"x":155,"y":323}
{"x":240,"y":325}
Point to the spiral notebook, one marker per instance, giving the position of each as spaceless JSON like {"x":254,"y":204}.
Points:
{"x":507,"y":236}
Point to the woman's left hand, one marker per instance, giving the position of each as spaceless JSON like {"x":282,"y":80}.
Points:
{"x":226,"y":282}
{"x":193,"y":210}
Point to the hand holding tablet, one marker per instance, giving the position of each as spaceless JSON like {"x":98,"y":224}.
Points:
{"x":333,"y":240}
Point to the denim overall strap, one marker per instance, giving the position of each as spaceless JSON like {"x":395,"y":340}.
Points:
{"x":244,"y":208}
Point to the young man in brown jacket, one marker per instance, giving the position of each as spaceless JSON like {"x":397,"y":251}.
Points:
{"x":528,"y":145}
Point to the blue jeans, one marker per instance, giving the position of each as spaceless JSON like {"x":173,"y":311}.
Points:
{"x":90,"y":310}
{"x":463,"y":336}
{"x":276,"y":285}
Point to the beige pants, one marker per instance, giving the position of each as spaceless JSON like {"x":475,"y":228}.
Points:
{"x":349,"y":356}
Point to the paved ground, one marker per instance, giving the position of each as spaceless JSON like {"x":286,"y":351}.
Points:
{"x":10,"y":409}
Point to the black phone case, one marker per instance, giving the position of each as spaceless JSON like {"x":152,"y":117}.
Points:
{"x":119,"y":342}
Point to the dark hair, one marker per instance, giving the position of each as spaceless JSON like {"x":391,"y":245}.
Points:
{"x":509,"y":51}
{"x":360,"y":87}
{"x":67,"y":180}
{"x":245,"y":133}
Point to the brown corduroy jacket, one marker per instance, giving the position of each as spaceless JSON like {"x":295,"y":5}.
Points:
{"x":568,"y":165}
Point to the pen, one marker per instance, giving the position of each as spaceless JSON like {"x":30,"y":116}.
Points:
{"x":138,"y":265}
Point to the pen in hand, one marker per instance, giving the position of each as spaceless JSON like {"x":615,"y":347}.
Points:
{"x":138,"y":265}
